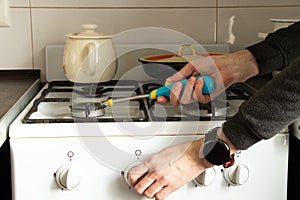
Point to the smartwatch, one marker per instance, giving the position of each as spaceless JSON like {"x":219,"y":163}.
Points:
{"x":215,"y":150}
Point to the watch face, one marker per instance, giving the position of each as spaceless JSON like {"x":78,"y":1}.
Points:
{"x":216,"y":152}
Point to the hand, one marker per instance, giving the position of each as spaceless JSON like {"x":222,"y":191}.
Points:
{"x":171,"y":168}
{"x":168,"y":170}
{"x":224,"y":69}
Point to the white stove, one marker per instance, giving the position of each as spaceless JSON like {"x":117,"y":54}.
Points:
{"x":58,"y":156}
{"x":62,"y":153}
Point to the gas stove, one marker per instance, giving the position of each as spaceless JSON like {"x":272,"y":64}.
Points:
{"x":62,"y":152}
{"x":67,"y":145}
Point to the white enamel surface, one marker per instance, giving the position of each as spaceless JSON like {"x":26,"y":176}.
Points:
{"x":100,"y":180}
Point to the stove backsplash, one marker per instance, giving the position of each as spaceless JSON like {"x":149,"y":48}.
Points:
{"x":129,"y":68}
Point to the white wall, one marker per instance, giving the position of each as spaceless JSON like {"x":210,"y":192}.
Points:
{"x":36,"y":23}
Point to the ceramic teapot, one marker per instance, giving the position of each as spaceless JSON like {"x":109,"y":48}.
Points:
{"x":89,"y":56}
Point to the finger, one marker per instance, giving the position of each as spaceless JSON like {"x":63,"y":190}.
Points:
{"x":163,"y":193}
{"x":162,"y":99}
{"x":188,"y":91}
{"x":137,"y":173}
{"x":175,"y":93}
{"x":144,"y":183}
{"x":153,"y":189}
{"x":198,"y":92}
{"x":185,"y":72}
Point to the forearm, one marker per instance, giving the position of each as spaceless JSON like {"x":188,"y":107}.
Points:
{"x":277,"y":51}
{"x":246,"y":65}
{"x":274,"y":107}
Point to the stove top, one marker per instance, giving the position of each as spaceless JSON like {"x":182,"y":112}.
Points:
{"x":65,"y":102}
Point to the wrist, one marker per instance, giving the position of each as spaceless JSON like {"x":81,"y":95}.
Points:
{"x":198,"y":153}
{"x":223,"y":137}
{"x":216,"y":147}
{"x":246,"y":65}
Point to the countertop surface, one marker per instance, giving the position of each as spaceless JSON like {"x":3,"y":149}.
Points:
{"x":11,"y":91}
{"x":17,"y":87}
{"x":13,"y":85}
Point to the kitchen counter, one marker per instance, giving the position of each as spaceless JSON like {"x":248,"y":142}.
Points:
{"x":17,"y":87}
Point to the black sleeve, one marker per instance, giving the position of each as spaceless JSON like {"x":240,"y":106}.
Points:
{"x":274,"y":107}
{"x":278,"y":50}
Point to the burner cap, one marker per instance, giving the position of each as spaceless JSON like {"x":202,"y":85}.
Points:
{"x":88,"y":110}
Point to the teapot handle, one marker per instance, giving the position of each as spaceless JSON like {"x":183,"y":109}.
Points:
{"x":91,"y":59}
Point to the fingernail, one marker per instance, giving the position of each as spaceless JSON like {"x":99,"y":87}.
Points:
{"x":192,"y":79}
{"x":200,"y":80}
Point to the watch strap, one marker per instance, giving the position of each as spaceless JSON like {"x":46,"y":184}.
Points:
{"x":212,"y":134}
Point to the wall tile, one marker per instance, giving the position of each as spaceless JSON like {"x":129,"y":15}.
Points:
{"x":19,"y":3}
{"x":257,"y":2}
{"x":52,"y":19}
{"x":124,"y":3}
{"x":15,"y":45}
{"x":51,"y":25}
{"x":248,"y":22}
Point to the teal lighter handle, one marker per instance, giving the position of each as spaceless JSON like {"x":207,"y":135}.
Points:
{"x":208,"y":87}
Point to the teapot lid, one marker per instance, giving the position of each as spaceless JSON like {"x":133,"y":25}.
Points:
{"x":89,"y":32}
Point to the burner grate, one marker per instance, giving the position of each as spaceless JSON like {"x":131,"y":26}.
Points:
{"x":82,"y":90}
{"x":219,"y":110}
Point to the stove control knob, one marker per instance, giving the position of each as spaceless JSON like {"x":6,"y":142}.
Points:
{"x":205,"y":178}
{"x":236,"y":175}
{"x":127,"y":169}
{"x":67,"y":177}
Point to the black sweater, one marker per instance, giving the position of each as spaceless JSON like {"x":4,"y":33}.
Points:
{"x":277,"y":104}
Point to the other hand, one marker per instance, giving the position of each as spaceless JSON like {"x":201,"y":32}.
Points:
{"x":224,"y":69}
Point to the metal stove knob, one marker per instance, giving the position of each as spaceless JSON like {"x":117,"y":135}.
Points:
{"x":67,"y":177}
{"x":205,"y":178}
{"x":236,"y":175}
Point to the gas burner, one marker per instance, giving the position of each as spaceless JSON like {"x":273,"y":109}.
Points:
{"x":87,"y":110}
{"x":215,"y":108}
{"x":91,"y":91}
